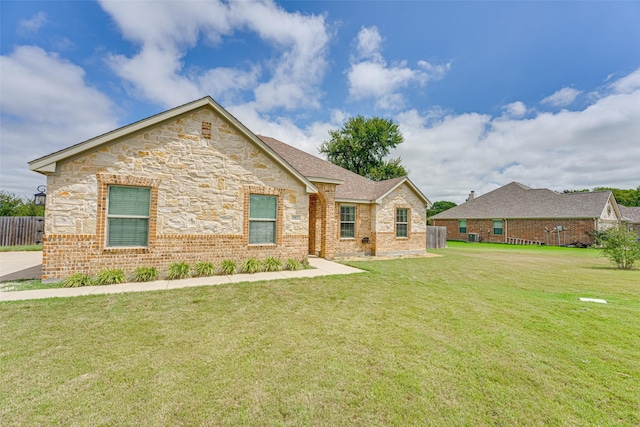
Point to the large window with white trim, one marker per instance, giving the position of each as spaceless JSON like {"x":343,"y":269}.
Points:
{"x":128,"y":216}
{"x":347,"y":222}
{"x":263,"y":214}
{"x":402,"y":222}
{"x":462,"y":226}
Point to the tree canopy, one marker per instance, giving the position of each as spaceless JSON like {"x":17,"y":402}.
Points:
{"x":628,"y":198}
{"x":362,"y":146}
{"x":439,"y":206}
{"x":13,"y":205}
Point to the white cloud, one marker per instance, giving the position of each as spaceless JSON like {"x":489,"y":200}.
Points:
{"x":596,"y":146}
{"x":515,"y":109}
{"x":32,"y":25}
{"x":369,"y":44}
{"x":370,"y":76}
{"x":289,"y":79}
{"x":46,"y":105}
{"x":562,"y":98}
{"x":627,"y":84}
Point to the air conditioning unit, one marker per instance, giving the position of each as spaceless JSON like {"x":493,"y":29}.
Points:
{"x":472,"y":238}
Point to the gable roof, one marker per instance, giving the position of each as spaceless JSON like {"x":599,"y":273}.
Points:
{"x":631,"y":214}
{"x":351,"y":186}
{"x":47,"y":164}
{"x":515,"y":200}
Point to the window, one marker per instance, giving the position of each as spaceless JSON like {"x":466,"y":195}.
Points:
{"x":263,"y":211}
{"x":497,"y":227}
{"x":462,"y":226}
{"x":402,"y":222}
{"x":347,"y":222}
{"x":128,"y":216}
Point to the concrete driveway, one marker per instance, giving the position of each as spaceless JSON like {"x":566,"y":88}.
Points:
{"x":20,"y":265}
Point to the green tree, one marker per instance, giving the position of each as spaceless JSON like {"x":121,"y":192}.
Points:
{"x":13,"y":205}
{"x":629,"y":198}
{"x":438,"y":207}
{"x":621,"y":246}
{"x":362,"y":146}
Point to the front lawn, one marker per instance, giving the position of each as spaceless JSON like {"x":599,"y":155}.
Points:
{"x":484,"y":335}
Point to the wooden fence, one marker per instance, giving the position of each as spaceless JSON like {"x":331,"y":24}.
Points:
{"x":436,"y":237}
{"x":21,"y":230}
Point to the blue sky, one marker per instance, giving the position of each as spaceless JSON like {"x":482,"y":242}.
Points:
{"x":543,"y":93}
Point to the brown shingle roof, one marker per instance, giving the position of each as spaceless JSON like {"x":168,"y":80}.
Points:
{"x":353,"y":187}
{"x":631,"y":214}
{"x":515,"y":200}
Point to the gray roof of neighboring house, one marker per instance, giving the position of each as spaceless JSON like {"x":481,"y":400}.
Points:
{"x":353,"y":186}
{"x":515,"y":200}
{"x":631,"y":214}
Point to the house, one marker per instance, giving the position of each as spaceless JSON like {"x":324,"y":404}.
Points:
{"x":194,"y":184}
{"x":518,"y":214}
{"x":631,"y":216}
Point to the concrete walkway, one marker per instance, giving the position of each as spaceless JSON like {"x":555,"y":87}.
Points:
{"x":322,"y":267}
{"x":20,"y":265}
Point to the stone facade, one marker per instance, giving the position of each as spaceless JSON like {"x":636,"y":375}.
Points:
{"x":375,"y":232}
{"x":386,"y":241}
{"x":201,"y":170}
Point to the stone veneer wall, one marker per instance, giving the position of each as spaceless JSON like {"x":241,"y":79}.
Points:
{"x":386,"y":242}
{"x":527,"y":229}
{"x":201,"y":171}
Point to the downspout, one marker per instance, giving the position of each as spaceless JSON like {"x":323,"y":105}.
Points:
{"x":506,"y":232}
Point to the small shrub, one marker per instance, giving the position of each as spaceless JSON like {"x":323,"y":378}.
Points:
{"x":272,"y":264}
{"x":179,"y":270}
{"x":110,"y":276}
{"x":145,"y":274}
{"x":305,"y":263}
{"x":251,"y":266}
{"x":228,"y":267}
{"x":293,"y":264}
{"x":77,"y":280}
{"x":204,"y":269}
{"x":621,"y":246}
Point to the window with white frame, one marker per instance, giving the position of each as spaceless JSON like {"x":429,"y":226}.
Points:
{"x":347,"y":222}
{"x":402,"y":222}
{"x":263,"y":214}
{"x":128,"y":216}
{"x":462,"y":226}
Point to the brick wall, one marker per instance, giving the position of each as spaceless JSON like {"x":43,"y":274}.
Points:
{"x":386,"y":242}
{"x":574,"y":230}
{"x":67,"y":254}
{"x":363,"y":229}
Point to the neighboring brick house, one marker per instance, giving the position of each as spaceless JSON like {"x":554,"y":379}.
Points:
{"x":518,"y":214}
{"x":631,"y":216}
{"x":194,"y":184}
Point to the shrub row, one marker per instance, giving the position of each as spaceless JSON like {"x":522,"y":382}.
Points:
{"x":183,"y":270}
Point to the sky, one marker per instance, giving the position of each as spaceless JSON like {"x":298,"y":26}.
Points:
{"x":545,"y":93}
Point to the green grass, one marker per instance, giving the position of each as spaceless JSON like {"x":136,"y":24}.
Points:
{"x":26,"y":285}
{"x":20,"y":248}
{"x":484,"y":335}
